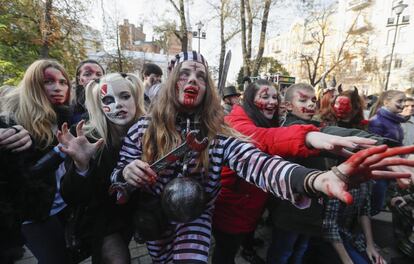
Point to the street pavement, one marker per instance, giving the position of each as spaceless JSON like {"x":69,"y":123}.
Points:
{"x":382,"y":229}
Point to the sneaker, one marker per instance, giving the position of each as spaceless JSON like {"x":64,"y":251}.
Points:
{"x":252,"y":257}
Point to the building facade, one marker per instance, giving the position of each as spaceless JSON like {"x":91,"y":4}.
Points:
{"x":357,"y":38}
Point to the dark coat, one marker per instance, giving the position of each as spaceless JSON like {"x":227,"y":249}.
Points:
{"x":387,"y":124}
{"x":99,"y":216}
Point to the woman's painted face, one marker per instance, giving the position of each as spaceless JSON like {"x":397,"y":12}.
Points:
{"x":89,"y":72}
{"x":117,"y":102}
{"x":56,"y":86}
{"x":191,"y":85}
{"x":266,"y":100}
{"x":303,"y":104}
{"x":396,"y":104}
{"x":342,"y":107}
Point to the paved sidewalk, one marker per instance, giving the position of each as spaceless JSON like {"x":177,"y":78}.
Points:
{"x":382,"y":229}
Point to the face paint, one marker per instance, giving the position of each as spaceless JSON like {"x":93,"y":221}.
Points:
{"x":191,"y":85}
{"x":89,"y":72}
{"x":396,"y":104}
{"x":266,"y":101}
{"x":303,"y":104}
{"x":55,"y":86}
{"x":117,"y":102}
{"x":342,"y":107}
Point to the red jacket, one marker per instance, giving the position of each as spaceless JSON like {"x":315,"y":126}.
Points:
{"x":240,"y":205}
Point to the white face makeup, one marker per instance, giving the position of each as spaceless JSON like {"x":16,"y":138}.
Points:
{"x":117,"y":102}
{"x":266,"y":100}
{"x":191,"y":86}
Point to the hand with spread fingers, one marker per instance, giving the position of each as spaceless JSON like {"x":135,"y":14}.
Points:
{"x":337,"y":144}
{"x":367,"y":164}
{"x":78,"y":148}
{"x":15,"y":138}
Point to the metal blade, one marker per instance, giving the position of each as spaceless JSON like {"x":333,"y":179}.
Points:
{"x":223,"y":74}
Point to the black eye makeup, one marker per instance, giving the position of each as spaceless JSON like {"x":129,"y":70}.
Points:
{"x":108,"y":100}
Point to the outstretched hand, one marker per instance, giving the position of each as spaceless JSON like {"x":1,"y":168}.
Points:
{"x":337,"y":144}
{"x":364,"y":165}
{"x":78,"y":148}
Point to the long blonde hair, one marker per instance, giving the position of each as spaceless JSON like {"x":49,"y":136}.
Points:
{"x":29,"y":106}
{"x":97,"y":126}
{"x":384,"y":96}
{"x":162,"y":135}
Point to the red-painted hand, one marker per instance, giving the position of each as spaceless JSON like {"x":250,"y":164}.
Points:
{"x":364,"y":165}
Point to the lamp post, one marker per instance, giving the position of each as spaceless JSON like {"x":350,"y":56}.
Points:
{"x":198,"y":34}
{"x":398,"y":9}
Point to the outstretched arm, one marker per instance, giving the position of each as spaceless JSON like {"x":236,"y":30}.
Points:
{"x":364,"y":165}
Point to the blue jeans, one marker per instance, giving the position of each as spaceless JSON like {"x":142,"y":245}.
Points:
{"x":46,"y":241}
{"x":379,"y":189}
{"x":287,"y":246}
{"x":356,"y":256}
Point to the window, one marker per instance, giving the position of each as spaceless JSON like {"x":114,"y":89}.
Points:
{"x":397,"y":63}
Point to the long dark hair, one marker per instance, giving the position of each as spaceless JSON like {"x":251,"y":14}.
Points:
{"x":251,"y":109}
{"x":79,"y":89}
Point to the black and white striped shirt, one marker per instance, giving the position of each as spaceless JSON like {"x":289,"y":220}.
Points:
{"x":191,"y":241}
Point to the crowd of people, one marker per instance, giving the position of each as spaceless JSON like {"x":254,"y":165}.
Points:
{"x":91,"y":163}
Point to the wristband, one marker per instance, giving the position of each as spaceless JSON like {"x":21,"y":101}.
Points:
{"x":340,"y":175}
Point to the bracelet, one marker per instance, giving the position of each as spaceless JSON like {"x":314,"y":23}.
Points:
{"x":340,"y":175}
{"x":309,"y":184}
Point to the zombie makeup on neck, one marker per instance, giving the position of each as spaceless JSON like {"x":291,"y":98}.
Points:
{"x":266,"y":101}
{"x":342,"y":107}
{"x":55,"y":86}
{"x":89,"y":72}
{"x":191,"y":84}
{"x":117,"y":102}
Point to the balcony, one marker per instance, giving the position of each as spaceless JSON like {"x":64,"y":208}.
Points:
{"x":358,"y":4}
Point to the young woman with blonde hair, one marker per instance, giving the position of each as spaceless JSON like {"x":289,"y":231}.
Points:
{"x":40,"y":104}
{"x":114,"y":102}
{"x":188,"y":102}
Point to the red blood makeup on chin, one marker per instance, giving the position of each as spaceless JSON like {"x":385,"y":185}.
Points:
{"x":307,"y":111}
{"x":190,"y":98}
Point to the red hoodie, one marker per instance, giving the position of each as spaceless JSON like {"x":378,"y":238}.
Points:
{"x":240,"y":205}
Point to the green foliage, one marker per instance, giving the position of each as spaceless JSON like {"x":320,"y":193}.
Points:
{"x":21,"y":37}
{"x":270,"y":65}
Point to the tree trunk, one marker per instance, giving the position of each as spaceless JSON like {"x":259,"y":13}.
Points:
{"x":183,"y":27}
{"x":262,"y":38}
{"x":246,"y":68}
{"x":222,"y":40}
{"x":44,"y":50}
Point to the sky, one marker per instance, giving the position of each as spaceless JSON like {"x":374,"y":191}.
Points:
{"x":151,"y":12}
